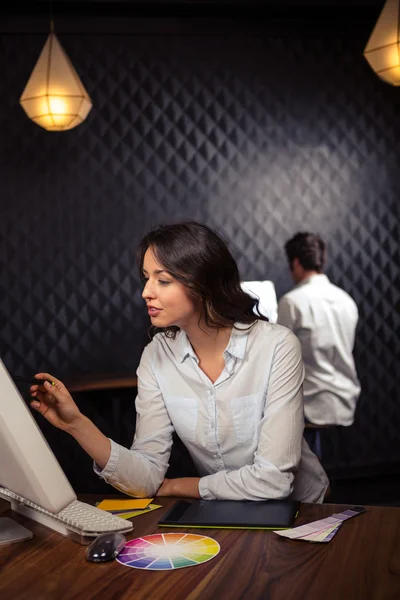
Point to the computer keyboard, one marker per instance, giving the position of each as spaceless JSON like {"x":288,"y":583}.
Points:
{"x":79,"y":521}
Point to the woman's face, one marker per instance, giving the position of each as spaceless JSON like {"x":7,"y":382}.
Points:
{"x":166,"y":298}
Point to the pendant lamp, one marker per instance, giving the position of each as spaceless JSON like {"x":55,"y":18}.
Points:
{"x":383,"y":48}
{"x":54,"y":96}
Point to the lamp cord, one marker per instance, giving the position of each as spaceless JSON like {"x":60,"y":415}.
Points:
{"x":51,"y":16}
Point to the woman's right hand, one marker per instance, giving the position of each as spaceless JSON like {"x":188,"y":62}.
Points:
{"x":54,"y":402}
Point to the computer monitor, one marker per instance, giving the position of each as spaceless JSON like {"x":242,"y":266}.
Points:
{"x":28,"y":467}
{"x":264,"y":291}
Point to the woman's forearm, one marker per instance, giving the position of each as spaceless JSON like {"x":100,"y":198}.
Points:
{"x":184,"y":487}
{"x":92,"y":440}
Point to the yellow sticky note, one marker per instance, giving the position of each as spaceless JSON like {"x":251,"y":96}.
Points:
{"x":132,"y":504}
{"x":129,"y":515}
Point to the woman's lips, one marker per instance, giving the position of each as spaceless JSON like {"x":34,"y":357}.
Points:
{"x":153,"y":312}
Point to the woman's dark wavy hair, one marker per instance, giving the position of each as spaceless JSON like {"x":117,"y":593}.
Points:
{"x":198,"y":258}
{"x":309,"y":249}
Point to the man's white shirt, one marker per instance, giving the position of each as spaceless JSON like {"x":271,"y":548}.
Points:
{"x":324,"y":318}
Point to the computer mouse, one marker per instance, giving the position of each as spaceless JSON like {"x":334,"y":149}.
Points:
{"x":105,"y":547}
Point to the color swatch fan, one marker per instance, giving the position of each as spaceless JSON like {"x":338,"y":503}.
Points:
{"x":322,"y":530}
{"x":168,"y":551}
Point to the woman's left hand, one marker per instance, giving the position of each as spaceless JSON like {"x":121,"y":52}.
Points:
{"x":184,"y":487}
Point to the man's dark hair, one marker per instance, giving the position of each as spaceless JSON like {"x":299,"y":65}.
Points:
{"x":309,"y":249}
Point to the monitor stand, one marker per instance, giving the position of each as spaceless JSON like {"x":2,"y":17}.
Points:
{"x":11,"y":531}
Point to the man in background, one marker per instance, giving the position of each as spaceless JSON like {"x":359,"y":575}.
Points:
{"x":324,"y":318}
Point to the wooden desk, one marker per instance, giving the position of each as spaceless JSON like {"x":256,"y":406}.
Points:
{"x":361,"y":563}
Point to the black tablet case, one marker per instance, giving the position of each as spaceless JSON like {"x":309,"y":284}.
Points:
{"x":231,"y":514}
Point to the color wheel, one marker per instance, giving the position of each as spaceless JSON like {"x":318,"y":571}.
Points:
{"x":167,"y":551}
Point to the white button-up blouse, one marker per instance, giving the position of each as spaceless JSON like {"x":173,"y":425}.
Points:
{"x":244,"y":432}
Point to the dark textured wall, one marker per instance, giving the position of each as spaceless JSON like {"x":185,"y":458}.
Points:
{"x":258,"y":135}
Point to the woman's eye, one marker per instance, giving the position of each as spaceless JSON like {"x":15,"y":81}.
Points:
{"x":164,"y":282}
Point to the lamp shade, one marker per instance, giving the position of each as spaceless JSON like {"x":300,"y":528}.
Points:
{"x":54,"y":96}
{"x":383,"y":48}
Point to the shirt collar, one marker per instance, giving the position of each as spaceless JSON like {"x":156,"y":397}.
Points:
{"x":238,"y":340}
{"x":236,"y":346}
{"x":185,"y":347}
{"x":318,"y":278}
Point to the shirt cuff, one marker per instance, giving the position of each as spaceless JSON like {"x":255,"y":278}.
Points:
{"x":204,"y":490}
{"x":111,"y":465}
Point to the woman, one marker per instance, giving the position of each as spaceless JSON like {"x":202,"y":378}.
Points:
{"x":224,"y":378}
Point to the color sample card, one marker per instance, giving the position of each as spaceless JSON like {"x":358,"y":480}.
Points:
{"x":331,"y":534}
{"x":131,"y":504}
{"x":322,"y":530}
{"x":322,"y":536}
{"x":168,"y":551}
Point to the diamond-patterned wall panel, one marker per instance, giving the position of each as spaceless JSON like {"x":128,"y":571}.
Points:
{"x":257,"y":136}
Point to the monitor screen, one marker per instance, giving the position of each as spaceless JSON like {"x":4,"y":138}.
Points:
{"x":28,"y":467}
{"x":264,"y":291}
